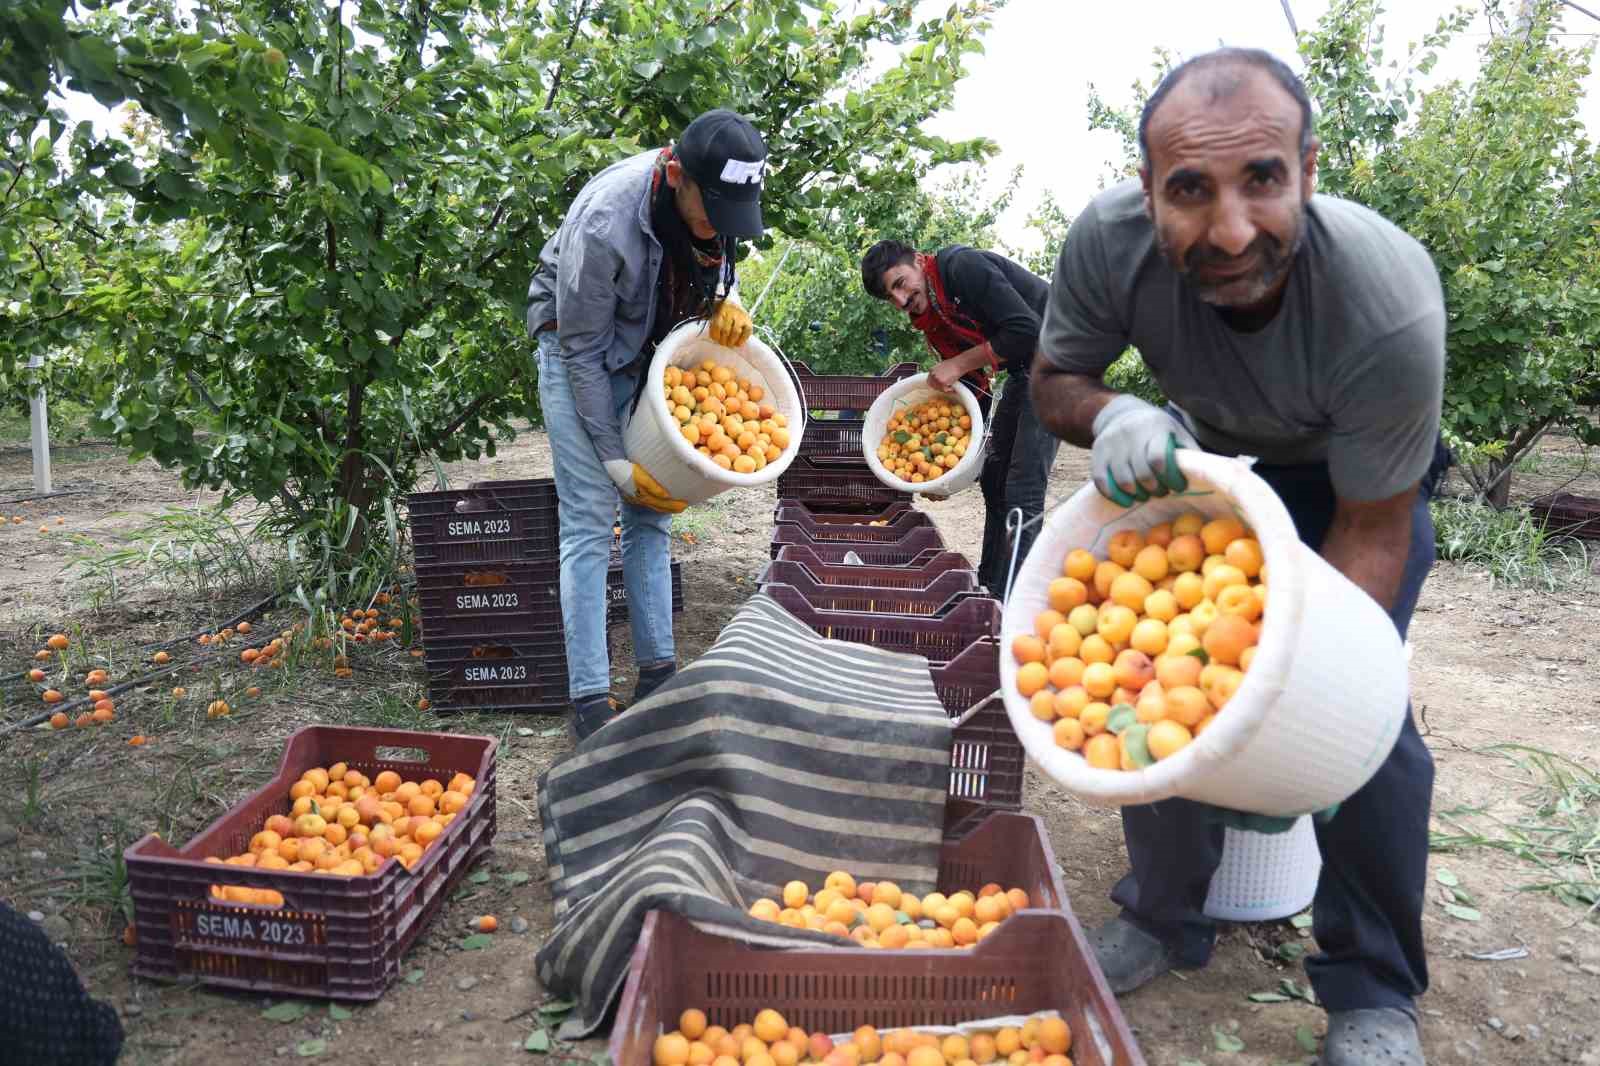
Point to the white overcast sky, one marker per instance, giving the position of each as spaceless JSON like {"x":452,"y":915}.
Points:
{"x":1028,"y":91}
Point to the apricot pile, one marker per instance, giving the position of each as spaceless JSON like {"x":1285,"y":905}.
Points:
{"x":880,"y":915}
{"x":340,"y":822}
{"x":1139,"y":651}
{"x":923,"y":443}
{"x":769,"y":1040}
{"x":726,"y":418}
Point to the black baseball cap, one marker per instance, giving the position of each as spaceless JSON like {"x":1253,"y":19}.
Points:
{"x":727,"y":158}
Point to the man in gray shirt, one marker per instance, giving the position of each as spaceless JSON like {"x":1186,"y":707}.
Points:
{"x":1309,"y":332}
{"x":647,"y":244}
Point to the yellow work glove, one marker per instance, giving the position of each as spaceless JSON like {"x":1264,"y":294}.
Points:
{"x":730,"y":324}
{"x":638,"y":487}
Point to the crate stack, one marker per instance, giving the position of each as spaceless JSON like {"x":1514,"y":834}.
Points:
{"x":855,"y":561}
{"x":489,"y":583}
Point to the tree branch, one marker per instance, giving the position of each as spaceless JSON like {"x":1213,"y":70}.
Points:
{"x":333,"y":254}
{"x":338,"y":28}
{"x":555,"y":83}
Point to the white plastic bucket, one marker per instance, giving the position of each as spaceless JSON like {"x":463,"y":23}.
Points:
{"x":909,"y":392}
{"x":654,"y":439}
{"x":1265,"y":876}
{"x":1325,"y":697}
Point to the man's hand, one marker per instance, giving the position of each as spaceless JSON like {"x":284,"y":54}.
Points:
{"x":1134,"y":456}
{"x":730,"y":324}
{"x":638,"y":487}
{"x":944,"y":376}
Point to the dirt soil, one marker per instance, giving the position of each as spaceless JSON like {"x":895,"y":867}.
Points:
{"x":1492,"y":666}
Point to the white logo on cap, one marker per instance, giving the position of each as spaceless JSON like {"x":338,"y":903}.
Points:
{"x":740,"y":172}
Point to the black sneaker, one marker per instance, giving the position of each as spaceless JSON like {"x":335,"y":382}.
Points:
{"x":588,"y":714}
{"x":1128,"y":956}
{"x":650,"y":679}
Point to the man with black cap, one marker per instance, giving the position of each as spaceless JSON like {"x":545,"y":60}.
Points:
{"x":648,"y":243}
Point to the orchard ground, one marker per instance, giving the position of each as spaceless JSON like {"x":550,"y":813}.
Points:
{"x":1493,"y":665}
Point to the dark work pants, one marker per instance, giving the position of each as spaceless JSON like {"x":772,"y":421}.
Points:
{"x":1368,"y":908}
{"x":1015,"y":472}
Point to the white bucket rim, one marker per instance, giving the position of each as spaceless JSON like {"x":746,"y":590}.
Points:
{"x":1259,"y":508}
{"x":959,"y":476}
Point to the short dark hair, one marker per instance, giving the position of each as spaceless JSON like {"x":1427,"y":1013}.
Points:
{"x":1220,"y":59}
{"x":879,"y":258}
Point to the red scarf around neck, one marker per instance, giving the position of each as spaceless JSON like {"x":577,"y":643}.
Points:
{"x":948,"y":331}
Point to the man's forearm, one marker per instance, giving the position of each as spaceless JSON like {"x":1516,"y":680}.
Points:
{"x":1370,"y":553}
{"x":1067,"y":403}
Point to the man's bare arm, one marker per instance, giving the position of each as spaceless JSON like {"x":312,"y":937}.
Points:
{"x":1368,"y":542}
{"x":1067,"y":403}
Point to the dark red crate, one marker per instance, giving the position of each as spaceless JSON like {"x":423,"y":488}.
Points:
{"x":885,"y":552}
{"x":334,"y":937}
{"x":511,"y":671}
{"x":835,"y":553}
{"x":1566,"y":514}
{"x":832,"y":528}
{"x":988,"y":764}
{"x":851,"y":517}
{"x":917,"y":575}
{"x":943,"y":593}
{"x":833,"y":438}
{"x":845,"y":392}
{"x":481,"y":599}
{"x":937,"y":639}
{"x":518,"y":521}
{"x":1038,"y":959}
{"x":835,"y":485}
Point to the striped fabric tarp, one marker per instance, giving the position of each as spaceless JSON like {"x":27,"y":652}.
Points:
{"x":776,"y":756}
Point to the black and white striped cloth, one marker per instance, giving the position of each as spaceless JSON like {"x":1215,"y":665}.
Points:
{"x":776,"y":756}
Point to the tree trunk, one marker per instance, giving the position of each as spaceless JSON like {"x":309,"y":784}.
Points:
{"x":1500,"y":496}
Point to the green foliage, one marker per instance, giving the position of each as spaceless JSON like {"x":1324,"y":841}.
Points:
{"x":307,"y":281}
{"x":1513,"y":546}
{"x":1498,"y":179}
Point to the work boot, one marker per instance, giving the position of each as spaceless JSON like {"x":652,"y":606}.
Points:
{"x":650,"y":679}
{"x":1129,"y":956}
{"x":1374,"y":1036}
{"x":588,"y":714}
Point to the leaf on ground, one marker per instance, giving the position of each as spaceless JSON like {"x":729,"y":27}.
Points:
{"x":478,"y":877}
{"x":476,"y":942}
{"x":1447,"y":879}
{"x":1462,"y":896}
{"x":310,"y":1048}
{"x":413,"y":977}
{"x":517,"y":877}
{"x":1301,"y":921}
{"x":338,"y":1013}
{"x":556,"y":732}
{"x":556,"y":1006}
{"x":1466,"y":914}
{"x":285,"y":1012}
{"x":1305,"y":1038}
{"x":1291,"y":952}
{"x":524,"y":731}
{"x":1226,"y":1042}
{"x":538,"y":1041}
{"x":1268,"y":997}
{"x":1190,"y":1062}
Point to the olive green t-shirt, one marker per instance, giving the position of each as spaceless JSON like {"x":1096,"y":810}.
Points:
{"x":1349,"y":372}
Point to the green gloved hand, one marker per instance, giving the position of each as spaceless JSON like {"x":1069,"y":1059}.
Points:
{"x":638,"y":487}
{"x":1266,"y":823}
{"x":1135,"y":451}
{"x":730,"y":324}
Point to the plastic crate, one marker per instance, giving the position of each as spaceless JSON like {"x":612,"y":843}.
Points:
{"x":942,"y":594}
{"x":502,"y":672}
{"x":835,"y":485}
{"x":1038,"y":959}
{"x":836,"y":527}
{"x":479,"y":599}
{"x":514,"y":521}
{"x":1560,"y":513}
{"x":335,"y":937}
{"x":938,"y":639}
{"x":833,"y":438}
{"x":987,"y":761}
{"x":850,"y":517}
{"x":902,"y":549}
{"x":904,"y":576}
{"x":845,"y":392}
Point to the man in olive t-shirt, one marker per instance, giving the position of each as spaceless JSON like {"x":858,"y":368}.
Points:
{"x":1308,"y":332}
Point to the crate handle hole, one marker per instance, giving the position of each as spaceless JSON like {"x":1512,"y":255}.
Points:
{"x":403,"y":755}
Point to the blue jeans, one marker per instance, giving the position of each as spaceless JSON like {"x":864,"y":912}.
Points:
{"x":1367,"y":915}
{"x":589,"y":501}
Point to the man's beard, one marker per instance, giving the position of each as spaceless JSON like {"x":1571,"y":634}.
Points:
{"x":1272,"y":257}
